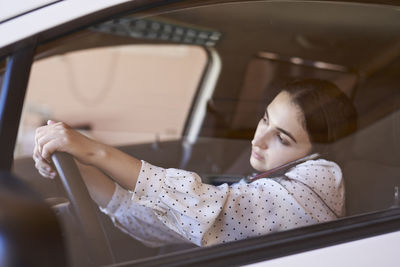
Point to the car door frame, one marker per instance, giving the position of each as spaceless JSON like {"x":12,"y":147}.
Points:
{"x":20,"y":56}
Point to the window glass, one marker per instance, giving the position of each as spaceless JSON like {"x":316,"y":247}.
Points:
{"x":117,"y":95}
{"x":117,"y":91}
{"x":145,"y":82}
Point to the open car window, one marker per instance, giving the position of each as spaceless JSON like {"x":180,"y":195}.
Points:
{"x":186,"y":88}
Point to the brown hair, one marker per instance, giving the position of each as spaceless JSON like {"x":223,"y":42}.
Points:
{"x":328,"y":113}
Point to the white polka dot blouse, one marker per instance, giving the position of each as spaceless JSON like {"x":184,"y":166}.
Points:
{"x":174,"y":206}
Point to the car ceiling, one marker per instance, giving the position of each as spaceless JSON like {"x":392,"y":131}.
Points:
{"x":361,"y":38}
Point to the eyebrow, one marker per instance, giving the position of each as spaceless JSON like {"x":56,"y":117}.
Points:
{"x":282,"y":130}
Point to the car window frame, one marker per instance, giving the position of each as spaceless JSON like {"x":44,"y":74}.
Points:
{"x":251,"y":250}
{"x":282,"y":244}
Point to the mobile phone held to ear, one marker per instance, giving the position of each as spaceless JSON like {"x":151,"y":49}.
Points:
{"x":281,"y":169}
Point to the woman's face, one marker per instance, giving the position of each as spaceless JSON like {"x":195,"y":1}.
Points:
{"x":280,"y":136}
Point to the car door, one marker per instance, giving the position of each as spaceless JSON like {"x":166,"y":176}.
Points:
{"x":203,"y":72}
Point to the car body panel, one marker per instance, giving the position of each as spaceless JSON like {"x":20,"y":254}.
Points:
{"x":18,"y":8}
{"x":49,"y":17}
{"x":362,"y":252}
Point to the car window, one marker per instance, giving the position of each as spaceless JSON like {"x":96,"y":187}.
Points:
{"x":147,"y":82}
{"x":107,"y":92}
{"x":118,"y":91}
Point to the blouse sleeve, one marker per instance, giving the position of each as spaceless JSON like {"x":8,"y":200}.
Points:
{"x":138,"y":221}
{"x":205,"y":214}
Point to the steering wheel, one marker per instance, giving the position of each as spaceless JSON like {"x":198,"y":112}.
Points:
{"x":85,"y":209}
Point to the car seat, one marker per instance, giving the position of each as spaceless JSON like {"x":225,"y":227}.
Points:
{"x":372,"y":171}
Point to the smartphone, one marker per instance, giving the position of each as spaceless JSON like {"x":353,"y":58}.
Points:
{"x":280,"y":170}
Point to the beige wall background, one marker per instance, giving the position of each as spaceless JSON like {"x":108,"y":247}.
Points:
{"x":127,"y":94}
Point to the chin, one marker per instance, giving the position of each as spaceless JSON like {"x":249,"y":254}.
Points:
{"x":257,"y":165}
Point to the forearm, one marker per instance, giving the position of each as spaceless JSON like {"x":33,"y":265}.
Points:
{"x":101,"y":188}
{"x":121,"y":167}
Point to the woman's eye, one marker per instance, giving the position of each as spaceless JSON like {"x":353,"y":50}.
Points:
{"x":265,"y":120}
{"x":282,"y":140}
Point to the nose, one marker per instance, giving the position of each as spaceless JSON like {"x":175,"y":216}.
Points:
{"x":261,"y":140}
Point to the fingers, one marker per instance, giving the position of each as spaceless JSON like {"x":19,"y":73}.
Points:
{"x":47,"y":141}
{"x":40,"y":143}
{"x":47,"y":174}
{"x":44,"y":168}
{"x":49,"y":148}
{"x":51,"y":138}
{"x":58,"y":136}
{"x":37,"y":134}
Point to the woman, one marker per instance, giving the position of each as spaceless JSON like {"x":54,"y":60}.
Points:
{"x":161,"y":206}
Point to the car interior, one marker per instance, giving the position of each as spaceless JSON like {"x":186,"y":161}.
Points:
{"x":251,"y":49}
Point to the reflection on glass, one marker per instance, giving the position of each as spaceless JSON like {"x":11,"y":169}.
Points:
{"x":106,"y":91}
{"x":174,"y":205}
{"x":276,"y":102}
{"x":305,"y":112}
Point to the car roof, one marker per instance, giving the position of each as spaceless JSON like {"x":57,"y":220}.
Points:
{"x":22,"y":20}
{"x":18,"y":8}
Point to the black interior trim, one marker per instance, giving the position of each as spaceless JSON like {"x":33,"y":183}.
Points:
{"x":11,"y":101}
{"x":30,"y":232}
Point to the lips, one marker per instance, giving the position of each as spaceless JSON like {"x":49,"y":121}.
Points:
{"x":257,"y":156}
